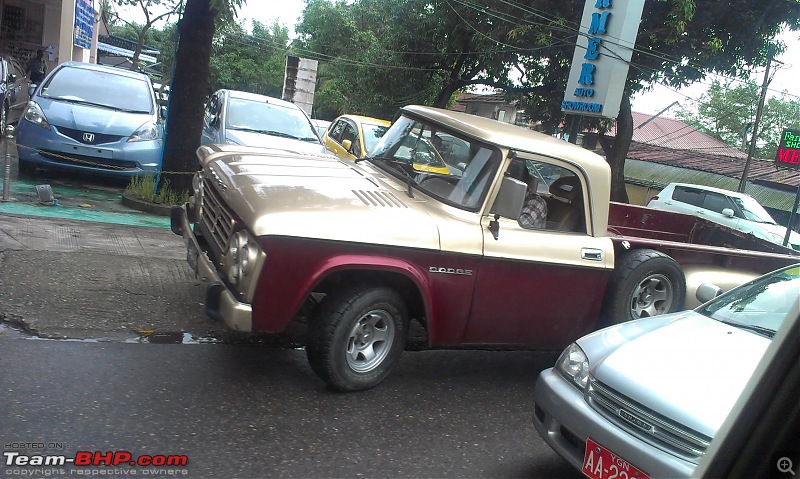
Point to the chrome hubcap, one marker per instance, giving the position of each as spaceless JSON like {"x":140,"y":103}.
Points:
{"x":653,"y":295}
{"x":370,"y":341}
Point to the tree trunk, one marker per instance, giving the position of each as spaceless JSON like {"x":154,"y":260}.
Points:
{"x":617,"y":151}
{"x":187,"y":94}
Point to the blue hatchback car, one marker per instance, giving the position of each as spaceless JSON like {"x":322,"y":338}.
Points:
{"x":92,"y":119}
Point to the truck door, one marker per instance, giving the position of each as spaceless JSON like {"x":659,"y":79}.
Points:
{"x":541,"y":287}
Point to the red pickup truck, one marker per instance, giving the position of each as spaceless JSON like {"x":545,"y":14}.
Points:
{"x":357,"y":250}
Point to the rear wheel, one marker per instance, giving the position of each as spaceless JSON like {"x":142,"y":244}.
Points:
{"x":646,"y":283}
{"x":357,"y":336}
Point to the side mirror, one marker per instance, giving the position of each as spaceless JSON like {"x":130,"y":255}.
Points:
{"x":162,"y":112}
{"x":509,"y":201}
{"x":12,"y":78}
{"x":347,"y":144}
{"x":707,"y":291}
{"x":31,"y":89}
{"x":727,"y":212}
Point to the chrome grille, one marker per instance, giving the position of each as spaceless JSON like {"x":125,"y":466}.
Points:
{"x":649,"y":425}
{"x":216,"y":217}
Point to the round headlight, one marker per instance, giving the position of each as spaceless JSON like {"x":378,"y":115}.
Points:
{"x":574,"y":365}
{"x":244,"y":258}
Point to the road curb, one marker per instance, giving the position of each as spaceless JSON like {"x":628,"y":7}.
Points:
{"x":131,"y":201}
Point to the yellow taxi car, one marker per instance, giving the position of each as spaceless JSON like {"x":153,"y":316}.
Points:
{"x":353,"y":137}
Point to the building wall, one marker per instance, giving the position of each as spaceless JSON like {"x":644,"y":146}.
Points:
{"x":492,"y":110}
{"x":57,"y":18}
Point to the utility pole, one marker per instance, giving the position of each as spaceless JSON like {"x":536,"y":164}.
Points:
{"x":752,"y":149}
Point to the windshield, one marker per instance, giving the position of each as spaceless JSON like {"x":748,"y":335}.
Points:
{"x":762,"y":304}
{"x":268,"y":118}
{"x":372,"y":133}
{"x":459,"y":176}
{"x":100,"y":88}
{"x":752,"y":210}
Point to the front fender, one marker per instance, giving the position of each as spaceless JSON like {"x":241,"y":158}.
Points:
{"x":295,"y":268}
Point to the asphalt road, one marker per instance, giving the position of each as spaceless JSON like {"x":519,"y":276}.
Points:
{"x":251,"y":411}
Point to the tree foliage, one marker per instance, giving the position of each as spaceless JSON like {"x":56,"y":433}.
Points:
{"x":154,"y":11}
{"x":252,"y":62}
{"x":727,"y":112}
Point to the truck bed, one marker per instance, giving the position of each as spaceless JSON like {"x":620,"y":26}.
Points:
{"x":651,"y":224}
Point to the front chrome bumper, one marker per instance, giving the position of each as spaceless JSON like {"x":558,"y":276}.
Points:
{"x":221,"y":304}
{"x":564,"y":420}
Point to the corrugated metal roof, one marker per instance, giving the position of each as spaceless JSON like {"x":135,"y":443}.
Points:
{"x":658,"y":175}
{"x":761,"y":171}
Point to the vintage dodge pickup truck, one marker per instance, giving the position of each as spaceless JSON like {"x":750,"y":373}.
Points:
{"x":355,"y":251}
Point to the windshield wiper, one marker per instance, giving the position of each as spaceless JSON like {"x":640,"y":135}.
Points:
{"x":101,"y":105}
{"x":769,"y":333}
{"x":266,"y":132}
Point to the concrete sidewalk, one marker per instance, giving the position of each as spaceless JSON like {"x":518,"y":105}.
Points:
{"x":63,"y":278}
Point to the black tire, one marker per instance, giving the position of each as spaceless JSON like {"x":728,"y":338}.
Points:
{"x":356,"y":337}
{"x":646,"y":283}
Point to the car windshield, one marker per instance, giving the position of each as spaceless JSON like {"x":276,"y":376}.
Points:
{"x":100,"y":88}
{"x":760,"y":306}
{"x":410,"y":149}
{"x":372,"y":133}
{"x":752,"y":210}
{"x":269,"y":119}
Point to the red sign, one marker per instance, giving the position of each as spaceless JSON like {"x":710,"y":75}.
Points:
{"x":789,"y":150}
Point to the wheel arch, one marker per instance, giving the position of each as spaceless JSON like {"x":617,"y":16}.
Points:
{"x":406,"y":279}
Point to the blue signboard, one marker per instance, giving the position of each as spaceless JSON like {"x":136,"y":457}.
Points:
{"x":84,"y":23}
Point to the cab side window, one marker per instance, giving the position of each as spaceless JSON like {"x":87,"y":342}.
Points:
{"x":691,"y":196}
{"x":716,"y":202}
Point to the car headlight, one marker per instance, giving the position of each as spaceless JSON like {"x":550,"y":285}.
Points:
{"x":574,"y":365}
{"x":197,"y":183}
{"x":34,"y":114}
{"x":243,"y":254}
{"x":148,"y":131}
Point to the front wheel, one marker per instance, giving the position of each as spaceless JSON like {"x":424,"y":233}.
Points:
{"x":646,"y":283}
{"x":357,"y":336}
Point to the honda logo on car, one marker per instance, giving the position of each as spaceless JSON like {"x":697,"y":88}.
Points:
{"x":88,"y":137}
{"x":463,"y":272}
{"x":635,"y":420}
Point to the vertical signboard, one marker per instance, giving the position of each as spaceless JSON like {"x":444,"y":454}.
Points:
{"x":789,"y":150}
{"x":603,"y":51}
{"x":84,"y":23}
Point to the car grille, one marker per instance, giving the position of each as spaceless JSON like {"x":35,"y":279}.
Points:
{"x":96,"y":139}
{"x":648,"y":424}
{"x":91,"y":161}
{"x":218,"y":220}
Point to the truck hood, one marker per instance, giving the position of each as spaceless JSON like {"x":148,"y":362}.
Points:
{"x":691,"y":370}
{"x":276,"y":192}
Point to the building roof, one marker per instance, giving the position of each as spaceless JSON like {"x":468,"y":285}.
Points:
{"x":761,"y":171}
{"x":677,"y":135}
{"x":499,"y":97}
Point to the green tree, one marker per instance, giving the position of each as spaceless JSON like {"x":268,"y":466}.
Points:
{"x":250,"y":62}
{"x":727,"y":112}
{"x":150,"y":9}
{"x":189,"y":88}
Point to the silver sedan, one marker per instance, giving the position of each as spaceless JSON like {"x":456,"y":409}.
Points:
{"x":644,"y":398}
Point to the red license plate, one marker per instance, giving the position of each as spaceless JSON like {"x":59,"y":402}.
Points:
{"x":600,"y":463}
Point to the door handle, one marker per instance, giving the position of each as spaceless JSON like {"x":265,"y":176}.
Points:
{"x":592,"y":254}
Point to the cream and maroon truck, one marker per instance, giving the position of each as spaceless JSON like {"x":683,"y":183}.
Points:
{"x":357,"y":250}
